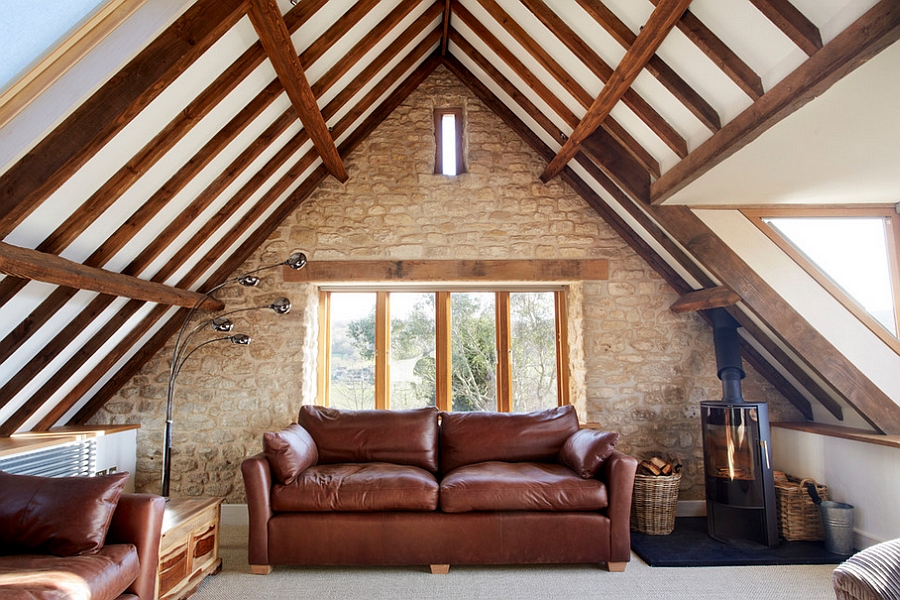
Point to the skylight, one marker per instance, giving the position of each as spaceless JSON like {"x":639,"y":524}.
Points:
{"x":29,"y":29}
{"x":851,"y":251}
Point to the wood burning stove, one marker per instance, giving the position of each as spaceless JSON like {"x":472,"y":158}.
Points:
{"x":740,"y":484}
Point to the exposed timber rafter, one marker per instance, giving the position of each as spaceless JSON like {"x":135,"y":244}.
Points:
{"x":878,"y":28}
{"x":664,"y":18}
{"x":715,"y":297}
{"x":276,"y":40}
{"x":38,"y":266}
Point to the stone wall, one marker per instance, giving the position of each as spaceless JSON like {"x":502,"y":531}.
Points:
{"x":637,"y":368}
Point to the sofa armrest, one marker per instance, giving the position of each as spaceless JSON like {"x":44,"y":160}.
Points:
{"x":138,"y":520}
{"x":618,"y":474}
{"x":258,"y":484}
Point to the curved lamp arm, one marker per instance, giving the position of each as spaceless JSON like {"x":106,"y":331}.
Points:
{"x":220,"y":324}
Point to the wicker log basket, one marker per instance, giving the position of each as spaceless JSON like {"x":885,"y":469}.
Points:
{"x":798,"y":516}
{"x":654,"y":501}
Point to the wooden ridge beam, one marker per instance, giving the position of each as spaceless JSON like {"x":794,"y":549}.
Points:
{"x":875,"y":30}
{"x":445,"y":23}
{"x":97,"y":120}
{"x":705,"y":299}
{"x":666,"y":15}
{"x":38,"y":266}
{"x":656,"y":66}
{"x":276,"y":41}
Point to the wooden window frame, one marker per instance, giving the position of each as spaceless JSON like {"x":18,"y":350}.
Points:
{"x":443,"y":360}
{"x":438,"y":140}
{"x":892,"y":237}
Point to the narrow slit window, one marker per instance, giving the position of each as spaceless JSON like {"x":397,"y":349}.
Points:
{"x":448,"y":132}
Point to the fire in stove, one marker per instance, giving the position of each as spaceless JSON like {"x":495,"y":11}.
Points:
{"x":740,"y":483}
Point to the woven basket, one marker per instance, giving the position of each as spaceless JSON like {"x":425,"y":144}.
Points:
{"x":798,"y":515}
{"x":654,"y":502}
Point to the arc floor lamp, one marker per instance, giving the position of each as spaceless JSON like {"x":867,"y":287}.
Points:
{"x":219,"y":324}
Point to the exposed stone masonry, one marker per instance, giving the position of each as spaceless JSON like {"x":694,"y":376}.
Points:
{"x":637,"y":368}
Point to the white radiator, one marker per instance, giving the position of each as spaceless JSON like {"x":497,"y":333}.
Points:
{"x":65,"y":460}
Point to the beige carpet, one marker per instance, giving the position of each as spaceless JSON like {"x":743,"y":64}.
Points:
{"x":638,"y":582}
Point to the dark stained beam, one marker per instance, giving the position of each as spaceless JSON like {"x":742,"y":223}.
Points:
{"x":721,"y":55}
{"x":792,"y":23}
{"x":276,"y":41}
{"x":716,"y":297}
{"x":628,"y":233}
{"x":829,"y":364}
{"x":658,"y":26}
{"x":620,"y":166}
{"x":445,"y":36}
{"x":96,"y":121}
{"x":875,"y":30}
{"x":38,"y":266}
{"x":251,"y":245}
{"x":656,"y":66}
{"x":601,"y":70}
{"x":540,"y":89}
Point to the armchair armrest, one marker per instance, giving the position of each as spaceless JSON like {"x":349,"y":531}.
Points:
{"x":138,"y":520}
{"x":618,"y":474}
{"x":258,"y":485}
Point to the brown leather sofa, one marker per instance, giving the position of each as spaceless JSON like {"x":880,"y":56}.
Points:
{"x":77,"y":537}
{"x":423,"y":487}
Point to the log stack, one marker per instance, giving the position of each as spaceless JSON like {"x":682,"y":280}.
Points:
{"x":659,"y":467}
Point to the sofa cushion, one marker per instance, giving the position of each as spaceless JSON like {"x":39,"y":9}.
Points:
{"x":63,"y":516}
{"x":403,"y":437}
{"x":519,"y":486}
{"x":358,"y":487}
{"x":105,"y":574}
{"x":476,"y":437}
{"x":586,"y":450}
{"x":289,"y":452}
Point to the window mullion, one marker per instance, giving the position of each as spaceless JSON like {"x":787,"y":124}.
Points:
{"x":892,"y":235}
{"x":562,"y":348}
{"x":504,"y":369}
{"x":382,"y":351}
{"x":442,"y":356}
{"x":323,"y":372}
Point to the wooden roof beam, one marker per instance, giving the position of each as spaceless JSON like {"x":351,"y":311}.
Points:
{"x":723,"y":56}
{"x":705,"y":299}
{"x":666,"y":15}
{"x":445,"y":36}
{"x":792,"y":23}
{"x":38,"y":266}
{"x":656,"y":66}
{"x":276,"y":41}
{"x":542,"y":91}
{"x":591,"y":60}
{"x":875,"y":30}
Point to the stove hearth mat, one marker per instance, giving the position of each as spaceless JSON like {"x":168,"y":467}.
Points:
{"x":689,"y":545}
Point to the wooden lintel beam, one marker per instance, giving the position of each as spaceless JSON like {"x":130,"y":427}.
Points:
{"x":874,"y":31}
{"x":49,"y":268}
{"x":715,"y":297}
{"x":665,"y":16}
{"x":437,"y":271}
{"x":276,"y":41}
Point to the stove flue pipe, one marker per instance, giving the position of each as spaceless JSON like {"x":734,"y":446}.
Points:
{"x":728,"y":354}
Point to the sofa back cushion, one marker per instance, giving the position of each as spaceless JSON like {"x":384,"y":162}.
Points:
{"x":289,"y":452}
{"x":64,"y":516}
{"x":403,"y":437}
{"x":468,"y":438}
